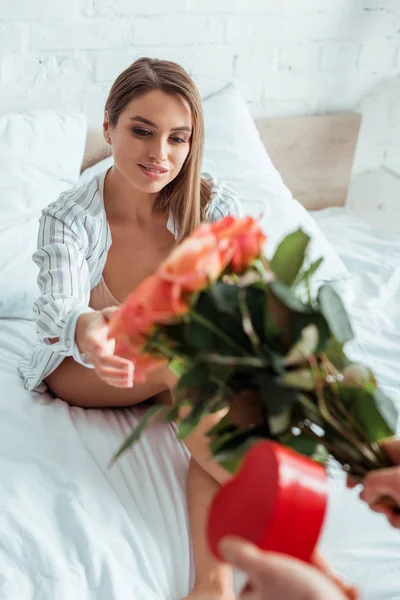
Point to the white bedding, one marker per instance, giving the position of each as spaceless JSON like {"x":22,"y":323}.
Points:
{"x":72,"y":528}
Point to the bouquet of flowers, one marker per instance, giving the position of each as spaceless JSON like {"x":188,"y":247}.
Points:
{"x":248,"y":334}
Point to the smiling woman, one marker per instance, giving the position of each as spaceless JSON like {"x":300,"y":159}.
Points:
{"x":159,"y":148}
{"x":98,"y":242}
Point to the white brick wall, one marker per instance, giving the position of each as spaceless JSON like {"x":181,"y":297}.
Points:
{"x":290,"y":57}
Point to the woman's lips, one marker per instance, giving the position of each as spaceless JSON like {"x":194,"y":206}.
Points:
{"x":154,"y":173}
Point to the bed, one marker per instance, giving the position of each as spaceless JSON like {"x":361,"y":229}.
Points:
{"x":71,"y":527}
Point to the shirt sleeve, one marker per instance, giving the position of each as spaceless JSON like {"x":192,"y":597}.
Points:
{"x":63,"y":279}
{"x":224,"y":200}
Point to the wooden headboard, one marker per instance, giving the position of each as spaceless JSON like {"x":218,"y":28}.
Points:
{"x":313,"y":154}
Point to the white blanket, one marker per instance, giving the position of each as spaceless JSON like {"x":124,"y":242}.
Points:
{"x":70,"y":527}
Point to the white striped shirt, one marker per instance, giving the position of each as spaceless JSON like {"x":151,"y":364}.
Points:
{"x":73,"y":242}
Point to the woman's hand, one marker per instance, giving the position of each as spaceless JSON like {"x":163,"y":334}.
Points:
{"x":92,"y":341}
{"x":276,"y":576}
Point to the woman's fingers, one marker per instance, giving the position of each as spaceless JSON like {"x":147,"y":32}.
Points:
{"x":115,"y":362}
{"x":115,"y":371}
{"x":109,"y":312}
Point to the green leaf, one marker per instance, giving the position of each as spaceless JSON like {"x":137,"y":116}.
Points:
{"x":178,"y":367}
{"x":289,"y":298}
{"x":149,"y":416}
{"x":387,"y":409}
{"x":301,"y":379}
{"x":280,"y":423}
{"x":334,"y":312}
{"x":277,"y":396}
{"x":289,"y":256}
{"x":233,"y":443}
{"x":198,"y":337}
{"x":195,"y":377}
{"x":304,"y":347}
{"x":231,"y":459}
{"x":375,"y":412}
{"x":300,"y":443}
{"x":334,"y":352}
{"x":224,"y":296}
{"x":247,"y":323}
{"x":173,"y":413}
{"x":225,"y":329}
{"x":303,"y":321}
{"x":222,"y":427}
{"x":308,"y":273}
{"x":190,"y":422}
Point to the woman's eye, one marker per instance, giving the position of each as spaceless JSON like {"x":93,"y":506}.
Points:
{"x":141,"y":132}
{"x":178,"y":140}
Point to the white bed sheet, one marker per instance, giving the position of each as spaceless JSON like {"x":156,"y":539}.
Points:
{"x":72,"y":528}
{"x":360,"y":544}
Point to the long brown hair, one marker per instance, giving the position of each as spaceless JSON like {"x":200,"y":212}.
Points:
{"x":187,"y":196}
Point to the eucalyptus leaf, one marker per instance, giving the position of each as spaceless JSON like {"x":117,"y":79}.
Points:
{"x":306,"y":346}
{"x":334,"y":352}
{"x":288,"y":298}
{"x":301,"y":379}
{"x":387,"y":409}
{"x":289,"y":256}
{"x":307,"y":273}
{"x":280,"y":423}
{"x":148,"y":417}
{"x":376,"y":413}
{"x":335,"y":313}
{"x":302,"y":321}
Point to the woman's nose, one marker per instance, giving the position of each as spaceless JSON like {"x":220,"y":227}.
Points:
{"x":158,"y":150}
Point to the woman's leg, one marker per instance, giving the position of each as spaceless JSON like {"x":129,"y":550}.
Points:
{"x":214,"y":580}
{"x":80,"y":386}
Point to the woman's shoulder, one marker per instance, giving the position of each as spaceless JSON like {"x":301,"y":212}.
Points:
{"x":224,"y":199}
{"x":84,"y":200}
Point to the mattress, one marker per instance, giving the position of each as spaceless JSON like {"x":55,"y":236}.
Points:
{"x":72,"y":527}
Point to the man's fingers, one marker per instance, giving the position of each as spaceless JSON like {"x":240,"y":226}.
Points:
{"x":383,"y":482}
{"x":350,"y":483}
{"x":242,"y":555}
{"x":392,"y":448}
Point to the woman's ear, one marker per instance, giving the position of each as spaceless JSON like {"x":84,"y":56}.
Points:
{"x":106,"y":127}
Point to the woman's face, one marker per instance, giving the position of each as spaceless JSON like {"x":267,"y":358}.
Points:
{"x":151,"y":139}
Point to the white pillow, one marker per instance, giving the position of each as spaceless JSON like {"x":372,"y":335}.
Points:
{"x":235,"y":154}
{"x":96,"y":169}
{"x":41,"y":153}
{"x":18,"y":272}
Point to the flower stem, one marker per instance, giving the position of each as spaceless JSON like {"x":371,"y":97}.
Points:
{"x":168,"y":352}
{"x":198,"y":318}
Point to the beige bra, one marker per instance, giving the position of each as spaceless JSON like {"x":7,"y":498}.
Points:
{"x":101,"y":297}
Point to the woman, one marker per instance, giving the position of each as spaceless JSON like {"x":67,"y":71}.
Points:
{"x":97,"y":242}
